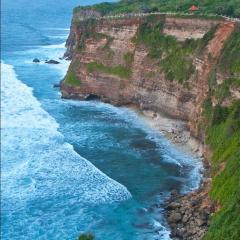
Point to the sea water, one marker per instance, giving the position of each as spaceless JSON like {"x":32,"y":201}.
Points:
{"x":68,"y":166}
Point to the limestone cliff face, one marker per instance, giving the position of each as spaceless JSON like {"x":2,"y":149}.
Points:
{"x":102,"y":50}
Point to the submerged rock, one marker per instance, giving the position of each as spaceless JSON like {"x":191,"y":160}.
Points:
{"x":36,"y":60}
{"x":57,"y":85}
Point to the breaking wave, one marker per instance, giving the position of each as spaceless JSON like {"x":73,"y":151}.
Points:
{"x":39,"y":167}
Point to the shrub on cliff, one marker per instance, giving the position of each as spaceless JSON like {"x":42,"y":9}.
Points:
{"x":224,"y":139}
{"x":117,"y":70}
{"x":230,"y":59}
{"x":175,"y":57}
{"x":88,"y":236}
{"x":71,"y":79}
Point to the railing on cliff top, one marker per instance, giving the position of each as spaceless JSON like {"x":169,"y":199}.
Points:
{"x":132,"y":15}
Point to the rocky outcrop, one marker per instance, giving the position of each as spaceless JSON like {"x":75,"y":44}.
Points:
{"x":51,"y":61}
{"x":189,"y":215}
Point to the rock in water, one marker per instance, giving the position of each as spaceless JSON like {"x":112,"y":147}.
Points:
{"x":52,"y":62}
{"x":36,"y":60}
{"x":56,"y":85}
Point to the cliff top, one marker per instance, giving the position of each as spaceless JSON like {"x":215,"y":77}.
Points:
{"x":221,"y":7}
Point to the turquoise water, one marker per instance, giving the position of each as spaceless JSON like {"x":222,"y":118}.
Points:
{"x":70,"y":167}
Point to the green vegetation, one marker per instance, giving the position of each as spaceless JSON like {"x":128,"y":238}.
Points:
{"x":86,"y":237}
{"x":71,"y":79}
{"x":230,"y":59}
{"x":109,"y":41}
{"x":88,"y":31}
{"x":222,"y":129}
{"x":128,"y":58}
{"x":220,"y":7}
{"x":175,"y":58}
{"x":223,"y":135}
{"x":118,"y":70}
{"x":229,"y":64}
{"x":106,"y":48}
{"x":222,"y":91}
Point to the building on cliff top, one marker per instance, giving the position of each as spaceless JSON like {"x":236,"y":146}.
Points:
{"x":193,"y":8}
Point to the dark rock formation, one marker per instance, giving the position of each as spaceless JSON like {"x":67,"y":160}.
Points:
{"x":36,"y":60}
{"x":57,"y":85}
{"x":52,"y":62}
{"x":189,"y":215}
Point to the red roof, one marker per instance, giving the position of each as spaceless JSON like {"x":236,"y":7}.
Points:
{"x":193,"y":8}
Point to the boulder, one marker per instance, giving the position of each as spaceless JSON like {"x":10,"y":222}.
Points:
{"x":174,"y":217}
{"x":52,"y":61}
{"x":173,"y":205}
{"x":185,"y":218}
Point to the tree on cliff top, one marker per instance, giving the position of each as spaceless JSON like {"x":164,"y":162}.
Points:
{"x":220,"y":7}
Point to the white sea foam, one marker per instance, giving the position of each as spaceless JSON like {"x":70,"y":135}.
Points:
{"x":36,"y":162}
{"x":59,"y":37}
{"x":44,"y":53}
{"x":55,"y":46}
{"x":170,"y":152}
{"x":57,"y":29}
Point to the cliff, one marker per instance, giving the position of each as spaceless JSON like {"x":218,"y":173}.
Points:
{"x":184,"y":67}
{"x":118,"y":61}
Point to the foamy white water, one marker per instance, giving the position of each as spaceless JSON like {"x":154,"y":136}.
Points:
{"x":36,"y":162}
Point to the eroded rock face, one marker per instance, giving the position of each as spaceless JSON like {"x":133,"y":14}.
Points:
{"x":184,"y":29}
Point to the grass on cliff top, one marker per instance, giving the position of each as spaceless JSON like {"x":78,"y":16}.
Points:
{"x":118,"y":70}
{"x":223,"y":135}
{"x":220,"y":7}
{"x":71,"y":79}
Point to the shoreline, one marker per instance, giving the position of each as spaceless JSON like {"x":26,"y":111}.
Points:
{"x":188,"y":214}
{"x":176,"y":131}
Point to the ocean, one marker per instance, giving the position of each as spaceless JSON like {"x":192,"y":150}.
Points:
{"x":69,"y":167}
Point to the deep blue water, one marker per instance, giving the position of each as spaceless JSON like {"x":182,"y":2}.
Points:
{"x":70,"y":167}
